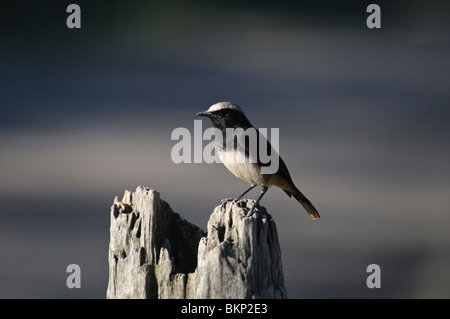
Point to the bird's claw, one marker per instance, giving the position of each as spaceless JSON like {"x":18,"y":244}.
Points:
{"x":252,"y":210}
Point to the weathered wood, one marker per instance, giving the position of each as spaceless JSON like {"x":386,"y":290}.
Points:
{"x":155,"y":253}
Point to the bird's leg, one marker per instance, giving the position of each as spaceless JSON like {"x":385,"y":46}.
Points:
{"x":263,"y":191}
{"x":251,"y":187}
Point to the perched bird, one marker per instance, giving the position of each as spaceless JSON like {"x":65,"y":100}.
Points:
{"x":226,"y":115}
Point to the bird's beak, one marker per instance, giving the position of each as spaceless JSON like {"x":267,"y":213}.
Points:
{"x":204,"y":114}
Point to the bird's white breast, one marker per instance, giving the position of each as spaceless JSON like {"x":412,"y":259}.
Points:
{"x":236,"y":164}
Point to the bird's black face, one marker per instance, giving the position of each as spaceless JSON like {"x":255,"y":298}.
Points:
{"x":227,"y":118}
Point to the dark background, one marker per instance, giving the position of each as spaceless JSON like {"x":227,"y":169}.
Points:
{"x":363,"y":117}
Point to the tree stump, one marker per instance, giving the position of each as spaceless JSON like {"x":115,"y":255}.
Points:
{"x":156,"y":253}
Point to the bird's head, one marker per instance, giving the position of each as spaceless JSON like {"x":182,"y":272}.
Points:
{"x":226,"y":115}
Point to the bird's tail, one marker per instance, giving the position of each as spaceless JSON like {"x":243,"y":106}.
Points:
{"x":312,"y":211}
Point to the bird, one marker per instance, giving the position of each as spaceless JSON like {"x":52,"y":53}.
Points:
{"x":228,"y":115}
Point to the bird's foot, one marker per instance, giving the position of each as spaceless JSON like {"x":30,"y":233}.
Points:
{"x":252,"y":209}
{"x":237,"y":199}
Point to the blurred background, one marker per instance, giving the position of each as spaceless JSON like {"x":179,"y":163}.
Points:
{"x":363,"y":117}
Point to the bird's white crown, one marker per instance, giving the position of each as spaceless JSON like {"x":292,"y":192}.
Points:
{"x":224,"y":105}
